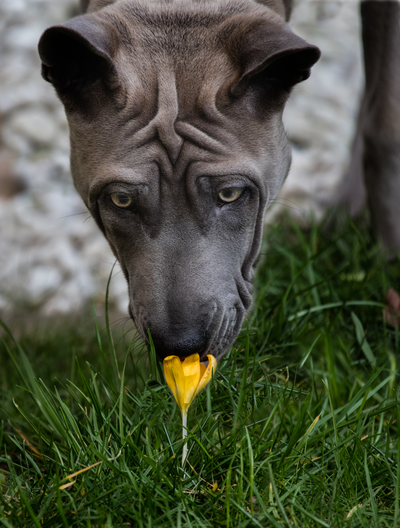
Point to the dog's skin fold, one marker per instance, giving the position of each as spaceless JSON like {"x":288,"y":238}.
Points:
{"x":177,"y":148}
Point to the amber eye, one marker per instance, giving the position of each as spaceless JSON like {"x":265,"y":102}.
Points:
{"x":121,"y":200}
{"x":230,"y":194}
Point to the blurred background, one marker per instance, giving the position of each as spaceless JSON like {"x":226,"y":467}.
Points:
{"x":53,"y":258}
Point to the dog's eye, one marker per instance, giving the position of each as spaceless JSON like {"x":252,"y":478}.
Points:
{"x":121,"y":200}
{"x":230,"y":194}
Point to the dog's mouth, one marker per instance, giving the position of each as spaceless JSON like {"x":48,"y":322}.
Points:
{"x":215,"y":332}
{"x":181,"y":344}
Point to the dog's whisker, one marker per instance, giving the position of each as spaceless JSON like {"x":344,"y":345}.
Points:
{"x":74,"y":214}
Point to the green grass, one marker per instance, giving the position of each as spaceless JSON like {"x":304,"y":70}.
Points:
{"x":300,"y":427}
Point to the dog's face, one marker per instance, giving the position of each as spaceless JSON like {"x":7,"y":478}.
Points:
{"x":177,"y":147}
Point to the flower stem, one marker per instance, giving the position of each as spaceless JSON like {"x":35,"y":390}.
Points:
{"x":184,"y":435}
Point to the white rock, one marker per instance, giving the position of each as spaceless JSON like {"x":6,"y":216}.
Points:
{"x":24,"y":36}
{"x":4,"y":303}
{"x":42,"y":281}
{"x":36,"y":124}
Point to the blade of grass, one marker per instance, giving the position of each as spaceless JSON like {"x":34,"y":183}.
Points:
{"x":111,"y":346}
{"x":362,"y":340}
{"x":371,"y":492}
{"x":251,"y":468}
{"x":276,"y":495}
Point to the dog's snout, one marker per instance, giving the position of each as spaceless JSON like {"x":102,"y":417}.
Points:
{"x":182,"y":347}
{"x":208,"y":328}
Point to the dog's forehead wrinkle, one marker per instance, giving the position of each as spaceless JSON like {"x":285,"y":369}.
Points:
{"x":168,"y":109}
{"x":200,"y":138}
{"x":172,"y":128}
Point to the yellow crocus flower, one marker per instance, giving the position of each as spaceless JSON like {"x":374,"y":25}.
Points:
{"x":186,"y":379}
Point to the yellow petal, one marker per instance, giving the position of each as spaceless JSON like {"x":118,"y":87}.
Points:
{"x":191,"y":371}
{"x":186,"y":379}
{"x":207,"y":374}
{"x":175,"y":379}
{"x":202,"y":369}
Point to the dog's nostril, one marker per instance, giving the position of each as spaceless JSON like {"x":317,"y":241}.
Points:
{"x":183,"y":347}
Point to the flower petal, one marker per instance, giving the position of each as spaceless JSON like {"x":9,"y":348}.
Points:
{"x":191,"y":371}
{"x":175,"y":379}
{"x":203,"y":368}
{"x":207,"y":374}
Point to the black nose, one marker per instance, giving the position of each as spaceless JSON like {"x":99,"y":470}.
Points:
{"x":182,"y":347}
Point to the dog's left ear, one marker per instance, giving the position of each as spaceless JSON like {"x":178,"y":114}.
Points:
{"x":269,"y":58}
{"x":77,"y":54}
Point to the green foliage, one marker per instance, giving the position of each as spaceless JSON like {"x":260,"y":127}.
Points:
{"x":300,"y":427}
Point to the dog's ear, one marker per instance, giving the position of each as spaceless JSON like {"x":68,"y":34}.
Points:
{"x":269,"y":58}
{"x":78,"y":54}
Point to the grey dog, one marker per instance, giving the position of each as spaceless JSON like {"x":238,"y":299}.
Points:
{"x":177,"y":145}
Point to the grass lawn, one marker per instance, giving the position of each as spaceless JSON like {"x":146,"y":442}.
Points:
{"x":300,"y":427}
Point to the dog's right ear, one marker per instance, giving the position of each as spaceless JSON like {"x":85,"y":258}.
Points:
{"x":269,"y":60}
{"x":78,"y":54}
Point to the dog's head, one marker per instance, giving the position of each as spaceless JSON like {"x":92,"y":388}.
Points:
{"x":177,"y":148}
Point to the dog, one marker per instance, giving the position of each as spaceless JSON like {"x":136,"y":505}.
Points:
{"x":177,"y":145}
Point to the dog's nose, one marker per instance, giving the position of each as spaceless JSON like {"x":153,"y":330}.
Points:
{"x":184,"y":347}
